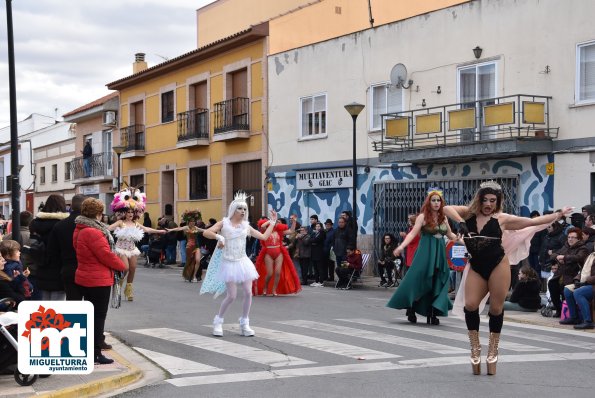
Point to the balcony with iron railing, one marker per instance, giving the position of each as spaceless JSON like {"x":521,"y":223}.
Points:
{"x":193,"y":128}
{"x":133,"y":139}
{"x":232,"y":119}
{"x":99,"y":167}
{"x":514,"y":125}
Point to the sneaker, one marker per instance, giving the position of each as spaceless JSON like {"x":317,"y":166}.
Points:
{"x":584,"y":325}
{"x":103,"y":360}
{"x":382,"y":284}
{"x":315,"y":284}
{"x":194,"y":280}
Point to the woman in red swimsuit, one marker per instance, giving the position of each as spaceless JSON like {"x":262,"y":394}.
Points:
{"x":274,"y":262}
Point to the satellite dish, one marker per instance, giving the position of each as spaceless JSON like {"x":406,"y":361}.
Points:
{"x":398,"y":76}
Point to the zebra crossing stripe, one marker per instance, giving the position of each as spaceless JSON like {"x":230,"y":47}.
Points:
{"x":220,"y":346}
{"x":441,"y":333}
{"x":369,"y":367}
{"x":176,"y":365}
{"x":378,"y":337}
{"x":314,"y":343}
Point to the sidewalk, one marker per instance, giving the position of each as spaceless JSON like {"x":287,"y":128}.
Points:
{"x":103,"y":379}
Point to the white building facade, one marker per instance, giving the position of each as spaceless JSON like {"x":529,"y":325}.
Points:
{"x":519,"y":62}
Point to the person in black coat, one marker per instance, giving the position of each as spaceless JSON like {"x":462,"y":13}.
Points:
{"x":6,"y":286}
{"x":61,"y":251}
{"x":48,"y":277}
{"x":553,"y":240}
{"x":525,"y":296}
{"x":317,"y":258}
{"x":329,"y":240}
{"x":386,"y":262}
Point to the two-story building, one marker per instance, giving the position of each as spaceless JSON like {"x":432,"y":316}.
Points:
{"x":484,"y":89}
{"x":194,"y":127}
{"x":96,"y":123}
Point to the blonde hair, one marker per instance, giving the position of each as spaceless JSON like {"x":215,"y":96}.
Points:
{"x":91,"y":207}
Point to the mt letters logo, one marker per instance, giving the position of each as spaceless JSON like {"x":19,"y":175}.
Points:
{"x":56,"y":337}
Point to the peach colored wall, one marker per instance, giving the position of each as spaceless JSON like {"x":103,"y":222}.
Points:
{"x":226,"y":17}
{"x":330,"y":19}
{"x":296,"y":23}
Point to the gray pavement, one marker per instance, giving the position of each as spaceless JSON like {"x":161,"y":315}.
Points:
{"x":132,"y":371}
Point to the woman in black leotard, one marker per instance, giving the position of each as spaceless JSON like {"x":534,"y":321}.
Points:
{"x":481,"y":224}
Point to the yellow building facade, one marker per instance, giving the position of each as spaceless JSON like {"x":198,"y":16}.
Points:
{"x":193,"y":129}
{"x":297,"y":23}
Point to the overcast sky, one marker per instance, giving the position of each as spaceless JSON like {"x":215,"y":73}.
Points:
{"x":67,"y":50}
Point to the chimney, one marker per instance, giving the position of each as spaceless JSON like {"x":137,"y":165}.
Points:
{"x":139,"y":64}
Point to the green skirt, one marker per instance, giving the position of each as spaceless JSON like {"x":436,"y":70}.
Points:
{"x":425,"y":285}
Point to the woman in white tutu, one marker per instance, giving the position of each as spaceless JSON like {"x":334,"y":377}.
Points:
{"x":229,"y":265}
{"x":129,"y":205}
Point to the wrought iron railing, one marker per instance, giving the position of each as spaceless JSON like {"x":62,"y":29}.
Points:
{"x":513,"y":116}
{"x":232,"y":114}
{"x":133,"y":137}
{"x":99,"y":164}
{"x":193,"y":124}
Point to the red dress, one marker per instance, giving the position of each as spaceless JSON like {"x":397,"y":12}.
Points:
{"x":289,"y":282}
{"x":411,"y":249}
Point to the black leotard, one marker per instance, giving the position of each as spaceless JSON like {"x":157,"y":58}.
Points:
{"x":485,"y":254}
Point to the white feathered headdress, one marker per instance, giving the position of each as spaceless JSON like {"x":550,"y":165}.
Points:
{"x":239,"y":200}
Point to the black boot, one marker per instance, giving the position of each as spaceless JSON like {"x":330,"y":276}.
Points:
{"x":103,"y":360}
{"x":411,"y":317}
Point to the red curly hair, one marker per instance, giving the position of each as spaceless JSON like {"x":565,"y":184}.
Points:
{"x":426,"y":210}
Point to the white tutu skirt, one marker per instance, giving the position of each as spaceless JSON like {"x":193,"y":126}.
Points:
{"x":127,"y":253}
{"x":237,"y":271}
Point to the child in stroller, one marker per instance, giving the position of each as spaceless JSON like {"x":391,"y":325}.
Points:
{"x":9,"y":345}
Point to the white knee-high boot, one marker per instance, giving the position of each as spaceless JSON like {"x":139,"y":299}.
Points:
{"x":245,"y":327}
{"x":218,"y":326}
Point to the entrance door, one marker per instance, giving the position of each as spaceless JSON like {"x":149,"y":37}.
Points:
{"x":247,"y":177}
{"x":167,"y":190}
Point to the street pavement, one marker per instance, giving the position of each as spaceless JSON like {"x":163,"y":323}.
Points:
{"x":323,"y":341}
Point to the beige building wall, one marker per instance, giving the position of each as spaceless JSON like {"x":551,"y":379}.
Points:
{"x":296,"y":23}
{"x":224,"y":18}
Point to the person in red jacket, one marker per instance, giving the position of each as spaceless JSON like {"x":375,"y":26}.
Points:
{"x":344,"y":270}
{"x":97,"y":261}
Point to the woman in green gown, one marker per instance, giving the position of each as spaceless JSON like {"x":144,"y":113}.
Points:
{"x":424,"y":290}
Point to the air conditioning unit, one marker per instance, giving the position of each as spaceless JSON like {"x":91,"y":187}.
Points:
{"x":109,"y":118}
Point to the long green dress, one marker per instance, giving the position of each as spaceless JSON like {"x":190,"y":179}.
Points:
{"x":426,"y":283}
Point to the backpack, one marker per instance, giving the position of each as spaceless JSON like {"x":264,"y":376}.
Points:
{"x":36,"y":250}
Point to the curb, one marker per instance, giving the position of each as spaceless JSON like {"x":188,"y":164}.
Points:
{"x":100,"y":386}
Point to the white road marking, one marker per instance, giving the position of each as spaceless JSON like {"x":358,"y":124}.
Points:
{"x":378,"y":337}
{"x":220,"y":346}
{"x":441,"y":333}
{"x":314,"y":343}
{"x":176,"y":365}
{"x":461,"y":325}
{"x":368,"y":367}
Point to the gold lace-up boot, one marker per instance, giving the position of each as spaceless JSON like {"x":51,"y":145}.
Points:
{"x":475,"y":351}
{"x":492,"y":359}
{"x":128,"y":292}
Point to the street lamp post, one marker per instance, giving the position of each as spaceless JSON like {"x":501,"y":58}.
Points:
{"x":118,"y":149}
{"x":14,"y":135}
{"x":354,"y":110}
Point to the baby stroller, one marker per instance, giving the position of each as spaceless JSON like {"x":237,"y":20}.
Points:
{"x":547,"y":307}
{"x":9,"y":345}
{"x":156,"y":255}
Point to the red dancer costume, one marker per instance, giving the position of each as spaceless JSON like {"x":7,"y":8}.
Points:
{"x":289,"y":282}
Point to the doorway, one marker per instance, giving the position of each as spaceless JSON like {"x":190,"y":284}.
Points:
{"x":247,"y":177}
{"x":167,"y":190}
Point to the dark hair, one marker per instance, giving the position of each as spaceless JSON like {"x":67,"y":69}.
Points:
{"x":534,"y":213}
{"x":212,"y":221}
{"x":25,"y":218}
{"x":329,"y":221}
{"x":77,"y":201}
{"x":169,"y":210}
{"x":351,"y":246}
{"x":314,"y":216}
{"x":530,"y":272}
{"x":54,"y":204}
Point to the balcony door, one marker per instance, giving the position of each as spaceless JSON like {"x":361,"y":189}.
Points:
{"x":239,"y":88}
{"x":107,"y":152}
{"x":197,"y":121}
{"x":477,"y":83}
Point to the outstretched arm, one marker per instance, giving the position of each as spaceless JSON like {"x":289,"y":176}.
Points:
{"x":114,"y":225}
{"x":456,"y":213}
{"x":149,"y":230}
{"x":183,"y":228}
{"x":510,"y":222}
{"x":267,"y":233}
{"x":419,"y":222}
